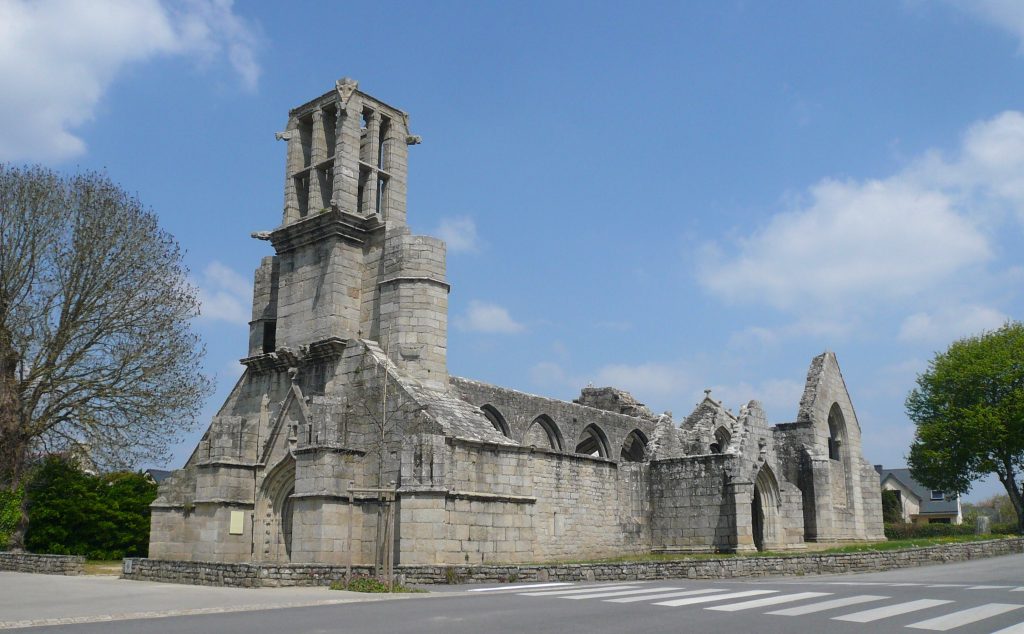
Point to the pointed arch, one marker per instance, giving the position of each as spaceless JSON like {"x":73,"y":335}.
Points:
{"x":634,"y":448}
{"x":840,"y":463}
{"x":543,"y":432}
{"x":592,"y":442}
{"x":765,"y":503}
{"x":275,"y":506}
{"x":721,"y":441}
{"x":497,"y":420}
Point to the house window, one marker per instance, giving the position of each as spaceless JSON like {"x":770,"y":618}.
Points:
{"x":937,"y":495}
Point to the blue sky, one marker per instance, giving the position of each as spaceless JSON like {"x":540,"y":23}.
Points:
{"x":665,"y":197}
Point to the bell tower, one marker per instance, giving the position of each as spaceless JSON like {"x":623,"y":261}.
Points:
{"x":346,"y":266}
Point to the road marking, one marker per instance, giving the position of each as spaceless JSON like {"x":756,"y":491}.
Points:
{"x":948,"y":585}
{"x":557,"y":593}
{"x":989,"y":587}
{"x":717,"y":597}
{"x":1013,"y":629}
{"x":620,"y":593}
{"x":1019,"y":589}
{"x":875,"y":583}
{"x":829,"y":605}
{"x":670,"y":595}
{"x":520,"y":587}
{"x":890,"y":610}
{"x":760,"y":603}
{"x":963,"y":617}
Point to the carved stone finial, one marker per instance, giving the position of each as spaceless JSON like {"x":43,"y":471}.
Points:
{"x":345,"y":87}
{"x":707,"y":392}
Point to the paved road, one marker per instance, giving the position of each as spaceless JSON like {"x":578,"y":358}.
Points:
{"x":980,"y":597}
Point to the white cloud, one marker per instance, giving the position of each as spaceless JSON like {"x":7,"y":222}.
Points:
{"x":947,"y":324}
{"x":488,"y":318}
{"x":459,"y":233}
{"x":879,"y":239}
{"x":779,"y":397}
{"x":225,"y":295}
{"x":58,"y":57}
{"x":855,"y":246}
{"x":645,"y":380}
{"x":1007,"y":15}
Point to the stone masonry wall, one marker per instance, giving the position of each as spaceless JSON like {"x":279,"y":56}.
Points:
{"x":272,"y":575}
{"x":71,"y":565}
{"x":692,"y":505}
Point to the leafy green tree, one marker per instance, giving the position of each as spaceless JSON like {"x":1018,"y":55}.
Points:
{"x":892,"y":507}
{"x":96,"y":346}
{"x":968,"y":407}
{"x":76,"y":513}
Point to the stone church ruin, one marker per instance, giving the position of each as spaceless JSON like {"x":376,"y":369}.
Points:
{"x":346,"y":441}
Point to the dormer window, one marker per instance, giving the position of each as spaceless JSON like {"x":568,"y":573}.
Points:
{"x":938,"y":495}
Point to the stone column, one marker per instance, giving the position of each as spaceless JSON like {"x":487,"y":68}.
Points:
{"x":739,"y":495}
{"x":346,"y":157}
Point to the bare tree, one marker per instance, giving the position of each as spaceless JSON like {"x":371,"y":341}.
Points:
{"x":96,"y":347}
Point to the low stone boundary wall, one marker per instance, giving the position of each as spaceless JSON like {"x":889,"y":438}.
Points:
{"x":42,"y":564}
{"x":272,"y":575}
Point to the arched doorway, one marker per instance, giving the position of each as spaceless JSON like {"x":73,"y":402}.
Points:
{"x":275,"y":509}
{"x":764,"y":510}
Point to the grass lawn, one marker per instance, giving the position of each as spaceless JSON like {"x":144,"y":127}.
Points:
{"x":102,"y":567}
{"x":892,"y":544}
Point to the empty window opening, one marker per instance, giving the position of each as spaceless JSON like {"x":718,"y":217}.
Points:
{"x":496,"y":419}
{"x":364,"y":175}
{"x":634,"y":449}
{"x":269,"y":336}
{"x":383,"y":148}
{"x":543,"y":433}
{"x":330,"y":119}
{"x":365,"y":140}
{"x":325,"y":177}
{"x":592,"y":442}
{"x":722,"y":440}
{"x":382,"y":196}
{"x":306,"y":138}
{"x":302,"y":193}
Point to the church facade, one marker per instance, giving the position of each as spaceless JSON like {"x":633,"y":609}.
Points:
{"x":347,"y":441}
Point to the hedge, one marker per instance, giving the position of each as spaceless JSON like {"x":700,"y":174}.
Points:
{"x":100,"y":516}
{"x":911,"y":531}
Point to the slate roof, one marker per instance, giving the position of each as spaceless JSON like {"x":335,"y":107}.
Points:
{"x":945,"y":506}
{"x":158,"y":475}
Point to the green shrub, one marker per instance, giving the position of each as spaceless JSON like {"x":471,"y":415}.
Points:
{"x":1004,"y":528}
{"x":10,"y":511}
{"x":892,"y":508}
{"x":365,"y":583}
{"x":101,"y":517}
{"x":913,"y":531}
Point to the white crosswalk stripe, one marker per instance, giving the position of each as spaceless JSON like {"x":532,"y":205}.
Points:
{"x":669,"y":595}
{"x":557,"y":593}
{"x":1018,"y":589}
{"x":989,"y":587}
{"x":963,"y":617}
{"x":620,"y":593}
{"x":890,"y":610}
{"x":760,"y":603}
{"x":520,"y":587}
{"x":1013,"y":629}
{"x":717,"y":597}
{"x":832,"y":604}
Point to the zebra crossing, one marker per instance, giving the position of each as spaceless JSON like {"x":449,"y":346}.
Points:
{"x":941,"y":615}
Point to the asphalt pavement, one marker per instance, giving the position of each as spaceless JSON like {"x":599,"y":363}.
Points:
{"x":978,"y":597}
